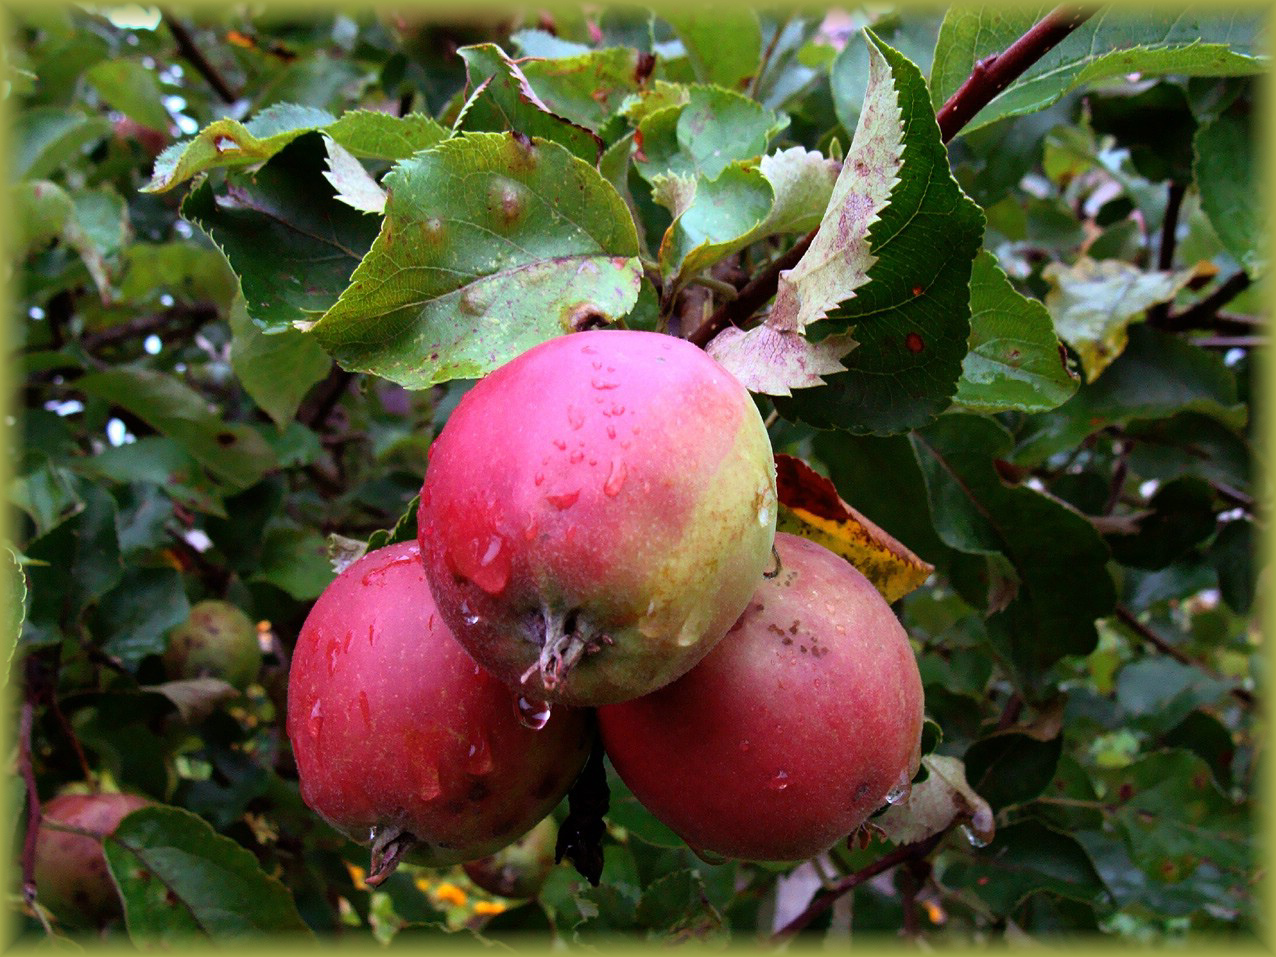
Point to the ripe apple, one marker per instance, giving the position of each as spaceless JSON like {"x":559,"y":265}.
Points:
{"x":805,"y":719}
{"x":402,"y":739}
{"x":596,"y":514}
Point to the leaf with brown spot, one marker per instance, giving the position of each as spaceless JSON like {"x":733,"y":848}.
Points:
{"x":811,"y":507}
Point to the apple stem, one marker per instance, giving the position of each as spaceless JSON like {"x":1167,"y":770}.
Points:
{"x":564,"y":642}
{"x":389,"y":844}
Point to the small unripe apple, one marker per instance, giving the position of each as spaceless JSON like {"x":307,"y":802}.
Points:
{"x":805,"y":719}
{"x":216,"y":641}
{"x":71,"y":875}
{"x":401,"y":739}
{"x":520,"y":869}
{"x":596,"y":513}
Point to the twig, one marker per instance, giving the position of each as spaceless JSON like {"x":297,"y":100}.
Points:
{"x":1203,"y":313}
{"x":187,"y":48}
{"x":1119,"y":473}
{"x":1165,"y":250}
{"x":33,"y":691}
{"x":752,"y":297}
{"x":994,"y":73}
{"x":906,"y":852}
{"x":724,"y":289}
{"x":1128,"y":618}
{"x":326,"y":396}
{"x":1231,"y":342}
{"x":770,"y":52}
{"x":186,"y":318}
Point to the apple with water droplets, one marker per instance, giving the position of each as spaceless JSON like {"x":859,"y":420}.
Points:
{"x":402,"y":739}
{"x":71,"y":875}
{"x":804,"y":720}
{"x":596,"y":514}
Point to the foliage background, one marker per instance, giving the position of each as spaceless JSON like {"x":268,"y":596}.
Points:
{"x":94,"y":253}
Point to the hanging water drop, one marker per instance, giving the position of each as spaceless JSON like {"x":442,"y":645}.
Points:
{"x":615,"y":478}
{"x":467,"y":614}
{"x":779,"y":781}
{"x":531,"y":713}
{"x":974,"y":839}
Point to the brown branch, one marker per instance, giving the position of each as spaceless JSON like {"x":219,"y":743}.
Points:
{"x":752,"y":297}
{"x":1165,"y":250}
{"x":1231,"y":342}
{"x":1203,"y":314}
{"x":994,"y":73}
{"x":184,"y":318}
{"x":325,"y":397}
{"x":35,"y":690}
{"x":1128,"y":618}
{"x":187,"y":48}
{"x":902,"y":854}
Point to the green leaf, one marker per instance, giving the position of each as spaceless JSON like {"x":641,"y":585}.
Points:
{"x":132,"y":618}
{"x":1179,"y":515}
{"x":1015,"y":362}
{"x":182,"y":882}
{"x":1227,"y":175}
{"x":234,"y":452}
{"x":588,"y":88}
{"x":276,"y":370}
{"x":678,"y":902}
{"x":724,"y":44}
{"x":1114,"y":42}
{"x":225,"y":144}
{"x":292,"y":244}
{"x":787,"y":192}
{"x":296,"y":561}
{"x":490,"y":245}
{"x":1027,"y":858}
{"x":912,"y":318}
{"x":13,"y":596}
{"x":1011,"y":767}
{"x":1045,"y":542}
{"x":702,"y":135}
{"x":132,"y":89}
{"x":1094,"y":301}
{"x":162,"y":462}
{"x":1233,"y":554}
{"x":503,"y":99}
{"x":47,"y":137}
{"x":92,"y":222}
{"x":1160,"y":692}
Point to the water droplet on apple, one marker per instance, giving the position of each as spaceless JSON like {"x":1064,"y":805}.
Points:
{"x":779,"y":781}
{"x":576,"y":456}
{"x":478,"y":758}
{"x":316,"y":719}
{"x":744,"y":746}
{"x":902,"y":789}
{"x":575,"y":417}
{"x":531,"y":713}
{"x":365,"y":709}
{"x":601,"y":384}
{"x":467,"y":614}
{"x":563,"y":500}
{"x":615,"y":478}
{"x":538,"y":478}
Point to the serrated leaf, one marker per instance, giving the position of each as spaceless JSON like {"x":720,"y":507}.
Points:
{"x":225,"y":144}
{"x":724,"y":44}
{"x":508,"y":102}
{"x":1114,"y":42}
{"x":235,"y":452}
{"x":404,"y":529}
{"x":292,"y":244}
{"x":490,"y":245}
{"x":1094,"y":302}
{"x":811,"y":507}
{"x":912,"y":318}
{"x":1045,"y":542}
{"x":275,"y":370}
{"x":195,"y":698}
{"x":354,"y":185}
{"x":183,"y":882}
{"x":13,"y":599}
{"x":131,"y":88}
{"x":701,"y":135}
{"x":1015,"y":362}
{"x":46,"y":137}
{"x":1226,"y":173}
{"x":936,"y":804}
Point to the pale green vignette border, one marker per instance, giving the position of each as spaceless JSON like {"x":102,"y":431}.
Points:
{"x":447,"y":9}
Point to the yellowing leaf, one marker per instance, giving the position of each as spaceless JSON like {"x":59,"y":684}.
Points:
{"x":938,"y":803}
{"x":811,"y":507}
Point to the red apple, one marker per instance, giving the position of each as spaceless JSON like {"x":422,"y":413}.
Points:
{"x":596,"y":514}
{"x":792,"y":731}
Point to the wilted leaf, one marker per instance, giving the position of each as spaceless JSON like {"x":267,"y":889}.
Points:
{"x":1114,"y":42}
{"x":354,"y":185}
{"x":490,"y":245}
{"x":195,"y":698}
{"x":1094,"y":302}
{"x":936,"y":804}
{"x":811,"y":507}
{"x":344,"y":552}
{"x":1015,"y":361}
{"x":912,"y":318}
{"x":182,"y":882}
{"x":777,"y":356}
